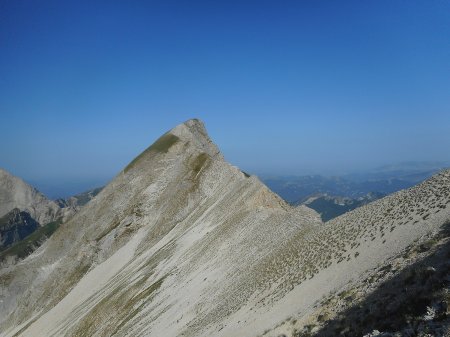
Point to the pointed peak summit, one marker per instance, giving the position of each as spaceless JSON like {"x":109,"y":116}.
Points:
{"x":189,"y":129}
{"x":195,"y":123}
{"x":194,"y":133}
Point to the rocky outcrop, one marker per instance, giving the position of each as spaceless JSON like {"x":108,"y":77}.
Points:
{"x":15,"y":193}
{"x":78,"y":200}
{"x":15,"y":226}
{"x":24,"y":211}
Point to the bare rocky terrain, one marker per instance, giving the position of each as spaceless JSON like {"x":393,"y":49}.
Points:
{"x":15,"y":226}
{"x":24,"y":211}
{"x":79,"y":200}
{"x":15,"y":193}
{"x":181,"y":243}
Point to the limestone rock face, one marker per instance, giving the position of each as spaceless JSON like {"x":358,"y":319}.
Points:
{"x":15,"y":193}
{"x":181,"y":243}
{"x":15,"y":226}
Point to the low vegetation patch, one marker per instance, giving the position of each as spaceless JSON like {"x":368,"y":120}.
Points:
{"x":414,"y":302}
{"x":162,"y":145}
{"x":199,"y":162}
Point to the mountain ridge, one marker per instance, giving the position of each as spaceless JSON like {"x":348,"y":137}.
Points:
{"x":183,"y":243}
{"x":15,"y":193}
{"x":124,"y":179}
{"x":25,"y":210}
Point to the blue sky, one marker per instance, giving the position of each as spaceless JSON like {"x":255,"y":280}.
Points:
{"x":283,"y":87}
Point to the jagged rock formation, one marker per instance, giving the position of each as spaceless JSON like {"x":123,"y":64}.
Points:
{"x":15,"y":193}
{"x":25,"y":211}
{"x":181,"y":243}
{"x":14,"y":226}
{"x":79,"y":200}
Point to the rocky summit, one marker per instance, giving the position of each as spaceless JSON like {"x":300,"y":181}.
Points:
{"x":23,"y":211}
{"x":15,"y":193}
{"x":181,"y":243}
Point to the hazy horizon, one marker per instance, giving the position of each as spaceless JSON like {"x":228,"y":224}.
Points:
{"x":303,"y":88}
{"x":63,"y":188}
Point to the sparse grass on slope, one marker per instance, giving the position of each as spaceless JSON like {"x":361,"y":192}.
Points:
{"x":306,"y":254}
{"x":162,"y":145}
{"x":199,"y":162}
{"x":412,"y":302}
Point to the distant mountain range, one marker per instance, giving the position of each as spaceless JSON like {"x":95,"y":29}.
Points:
{"x":80,"y":199}
{"x":330,"y":207}
{"x":333,"y":196}
{"x":384,"y":180}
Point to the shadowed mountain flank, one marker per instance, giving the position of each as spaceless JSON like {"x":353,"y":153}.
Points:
{"x":14,"y":226}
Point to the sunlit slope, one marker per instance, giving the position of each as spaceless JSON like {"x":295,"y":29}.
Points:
{"x":182,"y":243}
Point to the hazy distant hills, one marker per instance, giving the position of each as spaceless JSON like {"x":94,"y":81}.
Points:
{"x":80,"y":199}
{"x":181,"y":243}
{"x":333,"y":196}
{"x":330,"y":207}
{"x":297,"y":189}
{"x":384,"y":180}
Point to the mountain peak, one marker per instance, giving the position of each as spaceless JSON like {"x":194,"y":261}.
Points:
{"x":183,"y":243}
{"x":194,"y":133}
{"x":186,"y":138}
{"x":16,"y":193}
{"x":194,"y":124}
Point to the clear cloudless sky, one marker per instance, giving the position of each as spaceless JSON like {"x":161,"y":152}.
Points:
{"x":284,"y":87}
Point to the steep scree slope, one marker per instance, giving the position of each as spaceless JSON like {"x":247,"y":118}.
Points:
{"x":181,"y":243}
